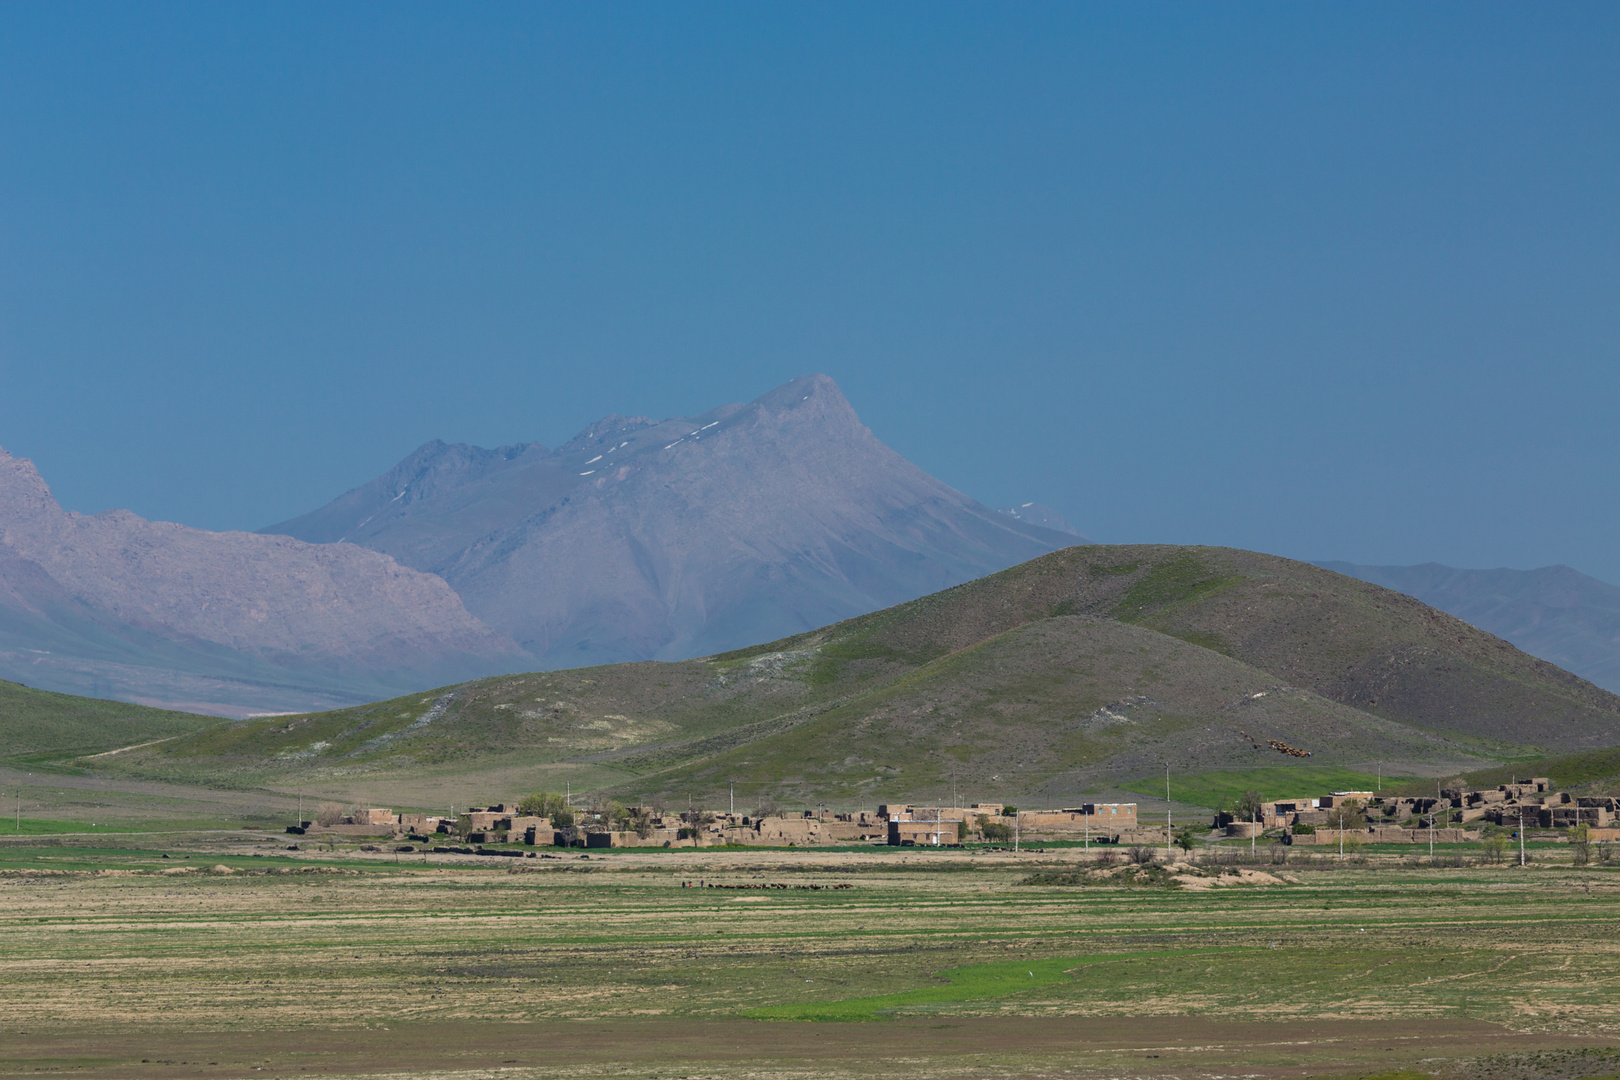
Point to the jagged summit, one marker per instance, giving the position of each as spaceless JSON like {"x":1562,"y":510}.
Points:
{"x":641,"y":539}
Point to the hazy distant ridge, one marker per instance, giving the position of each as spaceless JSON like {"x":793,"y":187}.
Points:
{"x":117,"y":606}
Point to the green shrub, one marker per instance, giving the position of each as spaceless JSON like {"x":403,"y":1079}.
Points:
{"x":1302,"y":829}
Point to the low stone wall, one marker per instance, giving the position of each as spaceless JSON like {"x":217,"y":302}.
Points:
{"x":351,"y":830}
{"x":1381,"y":835}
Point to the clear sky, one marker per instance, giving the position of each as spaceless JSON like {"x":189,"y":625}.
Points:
{"x":1330,"y":281}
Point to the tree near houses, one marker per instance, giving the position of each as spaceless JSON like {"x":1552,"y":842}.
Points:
{"x":547,"y":804}
{"x":695,"y":822}
{"x":1249,"y":806}
{"x":1580,"y":844}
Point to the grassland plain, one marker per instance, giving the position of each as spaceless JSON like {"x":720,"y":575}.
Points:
{"x":1051,"y":681}
{"x":237,"y":957}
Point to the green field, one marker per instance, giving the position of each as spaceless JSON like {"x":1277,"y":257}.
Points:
{"x":232,"y":956}
{"x":1217,"y":789}
{"x":29,"y":826}
{"x":975,"y":983}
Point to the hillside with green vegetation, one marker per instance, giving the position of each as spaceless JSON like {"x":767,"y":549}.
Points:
{"x":1225,"y":787}
{"x":1066,"y":677}
{"x":37,"y":725}
{"x":1590,"y":772}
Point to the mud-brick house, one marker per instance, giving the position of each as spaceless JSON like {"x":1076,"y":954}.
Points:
{"x":1103,"y":818}
{"x":422,"y":823}
{"x":376,"y":816}
{"x":930,"y":827}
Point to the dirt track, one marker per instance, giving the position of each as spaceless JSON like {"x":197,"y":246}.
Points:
{"x":905,"y":1048}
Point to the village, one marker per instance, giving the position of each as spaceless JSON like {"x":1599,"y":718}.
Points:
{"x":1452,"y":815}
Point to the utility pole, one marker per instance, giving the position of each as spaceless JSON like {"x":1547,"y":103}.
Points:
{"x":1167,"y":822}
{"x":1018,"y":817}
{"x":1521,"y":834}
{"x":733,"y":785}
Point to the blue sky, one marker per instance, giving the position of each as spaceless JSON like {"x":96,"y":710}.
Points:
{"x":1330,"y":281}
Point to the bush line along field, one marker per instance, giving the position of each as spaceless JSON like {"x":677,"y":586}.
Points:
{"x":1052,"y":681}
{"x":267,"y":962}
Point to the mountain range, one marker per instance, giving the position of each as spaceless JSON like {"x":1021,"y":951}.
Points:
{"x":1556,"y":613}
{"x":637,"y":539}
{"x":111,"y":605}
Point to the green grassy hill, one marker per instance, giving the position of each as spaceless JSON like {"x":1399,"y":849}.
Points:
{"x":1590,"y":772}
{"x":1071,"y":675}
{"x":37,"y":725}
{"x":1355,"y":643}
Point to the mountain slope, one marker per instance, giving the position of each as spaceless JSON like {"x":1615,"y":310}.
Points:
{"x":1072,"y":673}
{"x":1556,"y":613}
{"x":36,"y":722}
{"x":643,"y":540}
{"x":226,"y":622}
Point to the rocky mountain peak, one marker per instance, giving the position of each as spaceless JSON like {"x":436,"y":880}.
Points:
{"x":23,"y":492}
{"x":642,"y":539}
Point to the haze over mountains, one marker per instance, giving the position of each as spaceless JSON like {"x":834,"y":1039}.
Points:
{"x":643,"y":540}
{"x":112,"y":605}
{"x":638,"y":539}
{"x":1556,"y":613}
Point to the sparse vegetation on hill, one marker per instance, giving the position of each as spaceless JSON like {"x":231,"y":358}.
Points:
{"x":1054,"y":680}
{"x":1593,"y":771}
{"x":39,"y":724}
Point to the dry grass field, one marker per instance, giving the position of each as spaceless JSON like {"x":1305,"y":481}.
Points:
{"x":235,"y":957}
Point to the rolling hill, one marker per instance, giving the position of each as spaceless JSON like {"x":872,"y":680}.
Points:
{"x":1070,"y":674}
{"x":39,"y":724}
